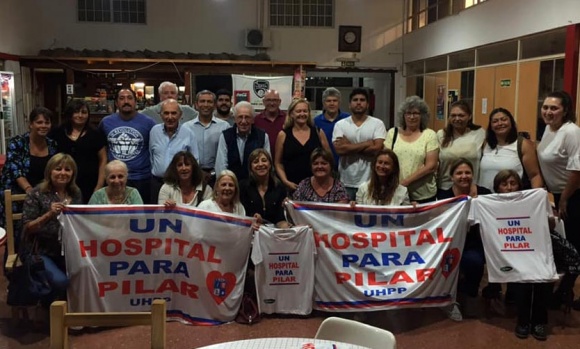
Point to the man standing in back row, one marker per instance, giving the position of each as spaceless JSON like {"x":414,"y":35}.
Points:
{"x":357,"y":139}
{"x":168,"y":90}
{"x":330,"y":116}
{"x":207,"y":129}
{"x":272,"y":118}
{"x":127,"y":134}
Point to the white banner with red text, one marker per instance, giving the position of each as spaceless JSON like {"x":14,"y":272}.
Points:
{"x":120,"y":258}
{"x":385,"y":257}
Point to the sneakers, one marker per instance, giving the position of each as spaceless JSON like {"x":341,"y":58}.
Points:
{"x":453,"y":312}
{"x":522,"y":331}
{"x":539,"y":332}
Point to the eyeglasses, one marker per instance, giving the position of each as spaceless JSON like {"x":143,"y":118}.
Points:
{"x":270,"y":100}
{"x":413,"y":113}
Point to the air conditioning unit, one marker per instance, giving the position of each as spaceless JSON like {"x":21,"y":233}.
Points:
{"x":257,"y":38}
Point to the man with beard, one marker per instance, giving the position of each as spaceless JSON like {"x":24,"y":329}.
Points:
{"x":207,"y":130}
{"x":330,"y":116}
{"x":168,"y":90}
{"x":127,"y":134}
{"x":166,"y":140}
{"x":357,"y":139}
{"x":223,"y":108}
{"x":237,"y":142}
{"x":272,"y":118}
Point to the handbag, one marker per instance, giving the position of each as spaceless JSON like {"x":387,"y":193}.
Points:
{"x":29,"y":282}
{"x":248,"y":313}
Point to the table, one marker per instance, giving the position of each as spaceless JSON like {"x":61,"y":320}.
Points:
{"x":283,"y":343}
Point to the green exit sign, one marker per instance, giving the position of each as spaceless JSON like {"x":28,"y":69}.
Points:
{"x":347,"y":64}
{"x":505,"y":83}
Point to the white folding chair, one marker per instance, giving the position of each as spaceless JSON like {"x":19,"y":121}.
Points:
{"x":353,"y":332}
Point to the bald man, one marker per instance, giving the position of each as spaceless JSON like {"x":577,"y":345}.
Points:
{"x":271,"y":119}
{"x":168,"y":90}
{"x":166,"y":140}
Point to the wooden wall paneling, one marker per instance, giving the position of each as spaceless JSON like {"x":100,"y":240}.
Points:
{"x":484,"y":90}
{"x":430,"y":95}
{"x":527,"y":101}
{"x":505,"y":87}
{"x":433,"y":84}
{"x":453,"y":83}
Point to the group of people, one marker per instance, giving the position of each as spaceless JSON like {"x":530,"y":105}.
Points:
{"x":225,"y":158}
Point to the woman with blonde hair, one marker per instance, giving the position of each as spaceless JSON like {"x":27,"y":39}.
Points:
{"x":41,"y":230}
{"x":295,"y":143}
{"x":226,"y":195}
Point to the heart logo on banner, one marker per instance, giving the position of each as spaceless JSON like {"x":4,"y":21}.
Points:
{"x":450,"y":261}
{"x":220,"y":285}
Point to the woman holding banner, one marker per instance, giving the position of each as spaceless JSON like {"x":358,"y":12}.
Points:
{"x":383,"y":188}
{"x":226,"y":195}
{"x":41,"y":226}
{"x":262,"y":195}
{"x":531,"y":298}
{"x":321,"y":186}
{"x":184,"y":182}
{"x":473,"y":258}
{"x":116,"y":192}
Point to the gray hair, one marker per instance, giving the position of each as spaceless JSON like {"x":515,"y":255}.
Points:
{"x":232,"y":175}
{"x":171,"y":100}
{"x":165,"y":84}
{"x":413,"y":102}
{"x":243,"y":104}
{"x":115,"y":163}
{"x":204,"y":92}
{"x":330,"y":92}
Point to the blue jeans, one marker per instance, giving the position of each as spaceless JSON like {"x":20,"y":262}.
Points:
{"x":471,"y":265}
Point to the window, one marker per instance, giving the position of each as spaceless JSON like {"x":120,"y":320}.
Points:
{"x":302,"y":13}
{"x":423,"y":12}
{"x":115,"y":11}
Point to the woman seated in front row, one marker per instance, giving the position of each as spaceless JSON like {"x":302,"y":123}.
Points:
{"x":184,"y":182}
{"x":116,"y":192}
{"x":473,"y":258}
{"x":42,"y":206}
{"x":383,"y":188}
{"x":226,"y":195}
{"x":322,"y":186}
{"x":262,"y":194}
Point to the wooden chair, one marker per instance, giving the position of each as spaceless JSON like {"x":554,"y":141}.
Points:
{"x":11,"y":217}
{"x":61,"y":320}
{"x":12,"y":257}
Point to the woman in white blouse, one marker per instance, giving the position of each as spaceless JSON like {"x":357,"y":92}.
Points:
{"x":383,"y":188}
{"x":184,"y":182}
{"x":559,"y":156}
{"x":226,"y":195}
{"x":501,"y":152}
{"x":461,"y":138}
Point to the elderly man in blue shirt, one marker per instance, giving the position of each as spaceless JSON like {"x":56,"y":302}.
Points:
{"x":166,"y":140}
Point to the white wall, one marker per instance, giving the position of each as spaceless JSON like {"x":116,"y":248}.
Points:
{"x":489,"y":22}
{"x":203,"y":26}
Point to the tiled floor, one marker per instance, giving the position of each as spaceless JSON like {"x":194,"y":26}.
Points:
{"x":413,"y":328}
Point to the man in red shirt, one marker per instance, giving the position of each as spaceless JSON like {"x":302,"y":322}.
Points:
{"x":272,"y":118}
